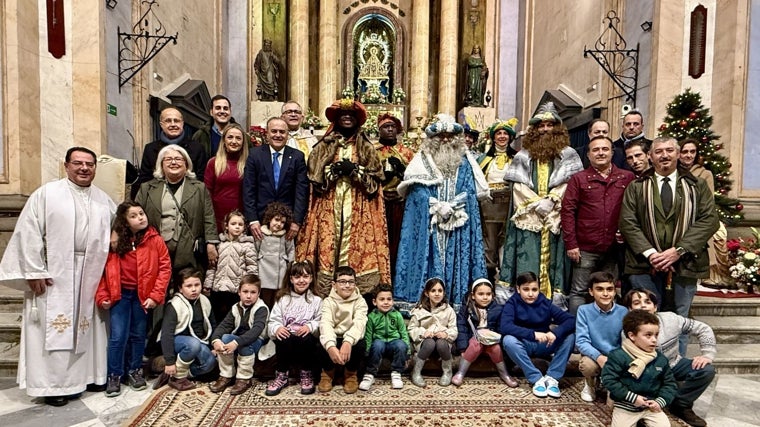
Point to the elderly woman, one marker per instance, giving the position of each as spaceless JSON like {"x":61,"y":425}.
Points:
{"x":494,"y":164}
{"x":224,"y":173}
{"x":179,"y":206}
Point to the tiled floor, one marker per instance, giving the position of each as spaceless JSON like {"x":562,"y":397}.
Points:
{"x":732,"y":400}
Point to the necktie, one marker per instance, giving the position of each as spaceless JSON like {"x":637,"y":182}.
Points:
{"x":276,"y":169}
{"x":666,"y":195}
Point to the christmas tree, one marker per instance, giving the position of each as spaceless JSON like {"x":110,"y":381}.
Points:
{"x":688,"y":118}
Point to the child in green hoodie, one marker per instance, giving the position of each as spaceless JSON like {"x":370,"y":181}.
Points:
{"x":385,"y":335}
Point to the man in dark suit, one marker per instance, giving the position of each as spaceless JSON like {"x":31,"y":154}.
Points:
{"x":259,"y":188}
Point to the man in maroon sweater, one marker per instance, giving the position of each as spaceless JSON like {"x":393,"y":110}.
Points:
{"x":590,"y":212}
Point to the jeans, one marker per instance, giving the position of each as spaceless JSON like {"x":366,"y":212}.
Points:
{"x":684,"y":289}
{"x":357,"y":355}
{"x":396,"y":350}
{"x":693,"y":382}
{"x":191,"y":349}
{"x":127,"y":335}
{"x":248,"y":350}
{"x":590,"y":262}
{"x":520,"y":351}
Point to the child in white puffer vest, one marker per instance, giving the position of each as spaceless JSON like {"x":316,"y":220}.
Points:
{"x":237,"y":257}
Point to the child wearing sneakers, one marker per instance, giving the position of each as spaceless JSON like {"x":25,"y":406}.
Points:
{"x":187,"y":325}
{"x":341,"y":331}
{"x":525,"y":324}
{"x":386,"y":336}
{"x":638,"y":376}
{"x":293,"y":326}
{"x":693,"y":375}
{"x":477,"y":322}
{"x":597,"y":329}
{"x":242,"y":333}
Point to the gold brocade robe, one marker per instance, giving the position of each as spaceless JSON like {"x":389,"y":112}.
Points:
{"x":346,"y":220}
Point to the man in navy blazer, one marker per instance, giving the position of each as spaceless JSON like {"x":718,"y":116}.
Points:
{"x":259,"y":188}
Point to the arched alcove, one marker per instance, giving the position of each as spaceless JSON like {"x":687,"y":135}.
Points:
{"x":368,"y":21}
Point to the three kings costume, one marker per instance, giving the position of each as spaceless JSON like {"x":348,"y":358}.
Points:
{"x":441,"y":234}
{"x":62,"y":234}
{"x":534,"y":242}
{"x":346,"y":220}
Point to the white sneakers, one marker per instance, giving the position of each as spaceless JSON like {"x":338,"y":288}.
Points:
{"x":547,"y":386}
{"x":367,"y":382}
{"x":369,"y":379}
{"x":396,"y":380}
{"x":588,"y":394}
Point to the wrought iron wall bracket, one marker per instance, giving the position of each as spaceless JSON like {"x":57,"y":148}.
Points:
{"x":136,"y":49}
{"x":620,"y":63}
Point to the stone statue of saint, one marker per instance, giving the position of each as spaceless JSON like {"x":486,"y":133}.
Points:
{"x":476,"y":73}
{"x":267,"y":66}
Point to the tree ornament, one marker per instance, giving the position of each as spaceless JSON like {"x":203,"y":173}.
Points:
{"x":728,"y":165}
{"x":663,"y":127}
{"x":683,"y":123}
{"x":739,"y":206}
{"x":705,"y":139}
{"x":723,"y":191}
{"x":693,"y":115}
{"x":719,"y":146}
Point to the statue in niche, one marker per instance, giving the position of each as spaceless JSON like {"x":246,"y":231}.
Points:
{"x":268,"y":67}
{"x":476,"y":74}
{"x":373,"y":63}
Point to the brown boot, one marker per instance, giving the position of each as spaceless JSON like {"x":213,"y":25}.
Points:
{"x":219,"y":385}
{"x":181,"y":384}
{"x":326,"y":380}
{"x":350,"y":382}
{"x":240,"y":387}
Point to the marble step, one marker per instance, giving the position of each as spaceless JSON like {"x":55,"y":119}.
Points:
{"x":9,"y":352}
{"x":712,"y":306}
{"x":10,"y":327}
{"x":733,"y":329}
{"x":11,"y":300}
{"x":733,"y":358}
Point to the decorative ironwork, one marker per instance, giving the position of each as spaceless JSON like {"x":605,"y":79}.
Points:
{"x":136,"y":49}
{"x":613,"y":55}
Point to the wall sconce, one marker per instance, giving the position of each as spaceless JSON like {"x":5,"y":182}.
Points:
{"x":646,"y":26}
{"x":111,"y":3}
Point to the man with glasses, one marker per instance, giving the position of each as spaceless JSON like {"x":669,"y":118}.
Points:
{"x":298,"y":138}
{"x":58,"y":251}
{"x":172,"y":132}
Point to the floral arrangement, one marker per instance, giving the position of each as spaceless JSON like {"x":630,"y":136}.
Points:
{"x":312,"y":120}
{"x":399,"y":96}
{"x":370,"y":125}
{"x":347,"y":93}
{"x":258,"y":135}
{"x":373,"y":95}
{"x":744,"y":259}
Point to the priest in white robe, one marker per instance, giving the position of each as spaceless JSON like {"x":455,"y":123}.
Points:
{"x":57,"y":253}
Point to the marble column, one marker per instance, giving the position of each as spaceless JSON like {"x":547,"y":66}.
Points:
{"x":328,"y":59}
{"x":298,"y":52}
{"x":418,"y":93}
{"x":447,"y":66}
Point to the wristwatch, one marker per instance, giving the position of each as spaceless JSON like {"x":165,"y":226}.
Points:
{"x":681,"y":251}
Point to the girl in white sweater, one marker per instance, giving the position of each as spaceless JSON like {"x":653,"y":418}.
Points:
{"x":294,"y":325}
{"x":237,"y":257}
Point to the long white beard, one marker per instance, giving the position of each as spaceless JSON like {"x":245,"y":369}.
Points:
{"x":447,"y":157}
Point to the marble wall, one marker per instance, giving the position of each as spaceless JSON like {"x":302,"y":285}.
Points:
{"x":120,"y":127}
{"x":751,"y":155}
{"x":236,"y":77}
{"x":507,"y":55}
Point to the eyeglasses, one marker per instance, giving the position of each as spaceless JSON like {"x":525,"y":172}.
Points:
{"x":345,"y":282}
{"x":79,"y":164}
{"x":292,"y":112}
{"x":174,"y":159}
{"x":170,"y":121}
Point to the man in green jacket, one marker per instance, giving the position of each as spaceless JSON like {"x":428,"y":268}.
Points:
{"x":667,"y":217}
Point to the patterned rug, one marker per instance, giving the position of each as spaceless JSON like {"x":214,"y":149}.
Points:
{"x":479,"y":402}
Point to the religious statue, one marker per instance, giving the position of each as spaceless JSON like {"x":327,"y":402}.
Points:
{"x":267,"y":66}
{"x":476,"y":73}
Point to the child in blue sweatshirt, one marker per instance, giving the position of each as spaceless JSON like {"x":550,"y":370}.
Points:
{"x":525,"y":322}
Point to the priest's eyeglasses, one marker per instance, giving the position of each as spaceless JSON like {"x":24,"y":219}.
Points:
{"x":79,"y":164}
{"x":292,"y":112}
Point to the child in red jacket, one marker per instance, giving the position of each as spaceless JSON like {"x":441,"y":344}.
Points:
{"x":136,"y":275}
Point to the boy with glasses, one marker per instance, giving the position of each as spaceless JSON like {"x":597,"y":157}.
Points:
{"x":341,"y":331}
